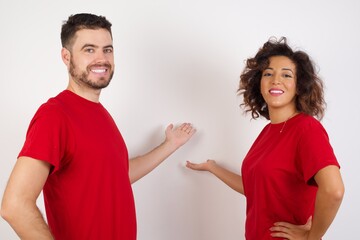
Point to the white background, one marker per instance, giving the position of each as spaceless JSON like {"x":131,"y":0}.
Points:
{"x":180,"y":61}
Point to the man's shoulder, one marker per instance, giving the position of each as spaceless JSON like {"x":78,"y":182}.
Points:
{"x":54,"y":105}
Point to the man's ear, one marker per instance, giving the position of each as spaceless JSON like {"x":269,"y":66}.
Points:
{"x":65,"y":55}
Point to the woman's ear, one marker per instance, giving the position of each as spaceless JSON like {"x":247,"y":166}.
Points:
{"x":65,"y":55}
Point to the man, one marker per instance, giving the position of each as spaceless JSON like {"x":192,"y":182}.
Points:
{"x":75,"y":153}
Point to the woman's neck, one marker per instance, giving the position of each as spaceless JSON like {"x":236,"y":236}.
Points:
{"x":282,"y":115}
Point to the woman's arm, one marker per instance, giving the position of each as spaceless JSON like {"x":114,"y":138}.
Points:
{"x":231,"y":179}
{"x":328,"y":199}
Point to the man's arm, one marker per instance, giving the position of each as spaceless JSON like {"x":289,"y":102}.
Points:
{"x":18,"y":205}
{"x":175,"y":138}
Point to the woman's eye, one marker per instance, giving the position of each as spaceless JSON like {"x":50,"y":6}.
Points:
{"x":267,"y":74}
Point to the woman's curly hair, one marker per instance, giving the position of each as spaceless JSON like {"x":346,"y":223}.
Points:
{"x":309,"y":97}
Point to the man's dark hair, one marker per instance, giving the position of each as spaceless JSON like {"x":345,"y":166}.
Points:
{"x":81,"y":21}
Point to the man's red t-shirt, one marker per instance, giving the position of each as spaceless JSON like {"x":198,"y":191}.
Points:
{"x":88,"y":193}
{"x":278,"y":174}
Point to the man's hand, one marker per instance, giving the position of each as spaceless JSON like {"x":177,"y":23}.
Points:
{"x":174,"y":139}
{"x":180,"y":135}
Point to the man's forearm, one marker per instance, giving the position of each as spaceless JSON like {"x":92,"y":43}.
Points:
{"x":174,"y":139}
{"x":142,"y":165}
{"x":27,"y":222}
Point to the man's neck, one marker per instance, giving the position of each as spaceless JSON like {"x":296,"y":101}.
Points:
{"x":92,"y":95}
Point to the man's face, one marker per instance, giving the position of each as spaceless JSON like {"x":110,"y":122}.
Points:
{"x":92,"y":58}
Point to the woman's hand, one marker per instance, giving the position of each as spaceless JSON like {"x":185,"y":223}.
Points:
{"x":290,"y":231}
{"x":205,"y":166}
{"x":231,"y":179}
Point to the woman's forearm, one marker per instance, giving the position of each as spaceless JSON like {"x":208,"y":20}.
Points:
{"x":326,"y":207}
{"x":231,"y":179}
{"x":328,"y":200}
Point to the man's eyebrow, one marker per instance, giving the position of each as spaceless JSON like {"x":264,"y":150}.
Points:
{"x":88,"y":45}
{"x":95,"y":46}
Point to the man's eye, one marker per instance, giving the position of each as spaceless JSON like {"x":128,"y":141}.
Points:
{"x":89,"y":50}
{"x":108,"y":50}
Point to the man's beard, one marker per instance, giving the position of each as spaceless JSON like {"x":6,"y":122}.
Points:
{"x":82,"y":78}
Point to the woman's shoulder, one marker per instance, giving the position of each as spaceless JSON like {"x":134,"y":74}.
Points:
{"x":306,"y":120}
{"x":309,"y":125}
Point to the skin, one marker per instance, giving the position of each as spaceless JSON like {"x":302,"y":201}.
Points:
{"x":90,"y":62}
{"x":278,"y":88}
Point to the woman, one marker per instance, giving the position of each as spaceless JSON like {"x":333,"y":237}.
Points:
{"x":290,"y":176}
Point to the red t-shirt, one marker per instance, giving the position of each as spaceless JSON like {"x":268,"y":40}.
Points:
{"x":278,"y":174}
{"x":88,"y":193}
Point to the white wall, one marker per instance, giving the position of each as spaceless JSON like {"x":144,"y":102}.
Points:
{"x":180,"y":61}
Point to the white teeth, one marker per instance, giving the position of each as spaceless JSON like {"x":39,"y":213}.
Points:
{"x":98,"y":70}
{"x":276,"y":91}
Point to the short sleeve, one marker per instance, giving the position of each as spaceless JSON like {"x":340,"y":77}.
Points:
{"x":314,"y":150}
{"x":46,"y":136}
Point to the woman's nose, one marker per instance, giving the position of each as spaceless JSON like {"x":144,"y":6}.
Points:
{"x":276,"y":79}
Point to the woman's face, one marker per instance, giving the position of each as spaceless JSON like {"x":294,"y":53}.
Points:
{"x":278,"y":84}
